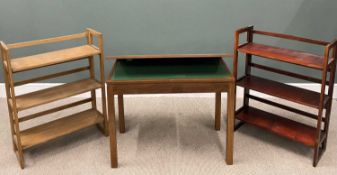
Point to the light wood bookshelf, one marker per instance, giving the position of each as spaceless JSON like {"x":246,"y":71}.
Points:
{"x":27,"y":138}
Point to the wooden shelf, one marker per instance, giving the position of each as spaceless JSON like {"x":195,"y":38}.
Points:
{"x":60,"y":127}
{"x":284,"y":127}
{"x":314,"y":136}
{"x":52,"y":58}
{"x":281,"y":90}
{"x":285,"y":55}
{"x":55,"y":93}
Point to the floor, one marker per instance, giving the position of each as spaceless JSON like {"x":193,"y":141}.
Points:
{"x":168,"y":135}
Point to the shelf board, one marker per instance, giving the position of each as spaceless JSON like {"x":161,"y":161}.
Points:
{"x":286,"y":55}
{"x":52,"y":58}
{"x":60,"y":127}
{"x":281,"y":126}
{"x":281,"y":90}
{"x":48,"y":95}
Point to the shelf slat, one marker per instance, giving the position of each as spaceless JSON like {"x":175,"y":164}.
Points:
{"x":52,"y":58}
{"x":286,"y":55}
{"x":281,"y":90}
{"x":60,"y":127}
{"x":55,"y":93}
{"x":281,"y":126}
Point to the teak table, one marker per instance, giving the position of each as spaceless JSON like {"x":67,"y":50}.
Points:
{"x":153,"y":74}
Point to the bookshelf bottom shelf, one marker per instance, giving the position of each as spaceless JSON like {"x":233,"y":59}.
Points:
{"x":279,"y":125}
{"x":60,"y":127}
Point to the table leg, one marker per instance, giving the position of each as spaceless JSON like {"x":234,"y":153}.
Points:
{"x":112,"y":128}
{"x":217,"y":111}
{"x":121,"y":113}
{"x":230,"y":123}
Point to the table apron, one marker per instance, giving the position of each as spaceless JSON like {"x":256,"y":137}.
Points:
{"x":168,"y":88}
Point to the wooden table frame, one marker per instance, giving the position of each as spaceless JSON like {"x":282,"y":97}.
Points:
{"x":204,"y":85}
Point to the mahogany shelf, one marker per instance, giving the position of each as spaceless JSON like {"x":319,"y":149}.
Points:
{"x":285,"y":55}
{"x":281,"y":90}
{"x":314,"y":136}
{"x":279,"y":125}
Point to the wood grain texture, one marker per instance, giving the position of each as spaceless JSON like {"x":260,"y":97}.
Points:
{"x":291,"y":37}
{"x":53,"y":75}
{"x":99,"y":37}
{"x":52,"y":58}
{"x":281,"y":90}
{"x":319,"y":100}
{"x":173,"y":87}
{"x":286,"y":73}
{"x":55,"y":129}
{"x":279,"y":125}
{"x":6,"y":72}
{"x":49,"y":111}
{"x":112,"y":127}
{"x":55,"y":93}
{"x":285,"y":107}
{"x":46,"y":41}
{"x":121,"y":113}
{"x":231,"y":101}
{"x":13,"y":112}
{"x":286,"y":55}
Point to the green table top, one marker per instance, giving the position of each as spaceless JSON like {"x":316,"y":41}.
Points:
{"x":177,"y":68}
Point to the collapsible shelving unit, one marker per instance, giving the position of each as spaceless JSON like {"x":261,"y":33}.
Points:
{"x":313,"y":136}
{"x":24,"y":139}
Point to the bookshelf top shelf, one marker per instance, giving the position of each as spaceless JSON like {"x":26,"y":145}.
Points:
{"x":52,"y":58}
{"x":286,"y":55}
